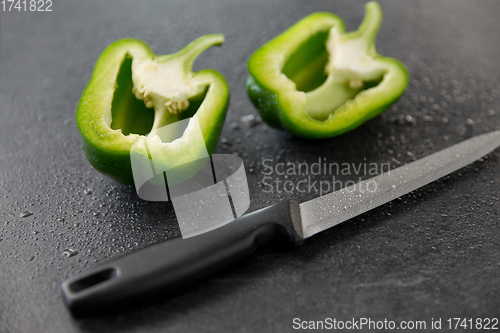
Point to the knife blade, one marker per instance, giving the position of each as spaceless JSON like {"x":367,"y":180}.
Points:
{"x":329,"y":210}
{"x":178,"y":263}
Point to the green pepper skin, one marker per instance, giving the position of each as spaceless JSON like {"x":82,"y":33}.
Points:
{"x":111,"y":119}
{"x":357,"y":83}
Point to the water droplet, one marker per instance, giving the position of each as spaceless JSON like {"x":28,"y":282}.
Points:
{"x":248,"y":118}
{"x":26,"y":214}
{"x":70,"y":253}
{"x":410,"y":119}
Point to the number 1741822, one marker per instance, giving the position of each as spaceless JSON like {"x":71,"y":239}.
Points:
{"x":26,"y":5}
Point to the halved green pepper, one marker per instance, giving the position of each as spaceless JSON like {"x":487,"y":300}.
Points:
{"x":317,"y":81}
{"x":133,"y":92}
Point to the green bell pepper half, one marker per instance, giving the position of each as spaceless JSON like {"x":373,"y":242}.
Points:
{"x":133,"y":92}
{"x":317,"y":81}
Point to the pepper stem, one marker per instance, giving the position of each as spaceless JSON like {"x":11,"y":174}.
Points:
{"x":371,"y":24}
{"x":189,"y":54}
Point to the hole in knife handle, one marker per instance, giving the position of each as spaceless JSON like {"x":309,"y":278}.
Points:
{"x":92,"y":280}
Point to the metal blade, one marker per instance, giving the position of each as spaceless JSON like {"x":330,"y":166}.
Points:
{"x":329,"y":210}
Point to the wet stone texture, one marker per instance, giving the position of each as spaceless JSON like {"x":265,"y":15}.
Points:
{"x":433,"y":253}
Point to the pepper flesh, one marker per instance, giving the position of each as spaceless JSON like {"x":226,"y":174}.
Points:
{"x":317,"y":81}
{"x":133,"y":92}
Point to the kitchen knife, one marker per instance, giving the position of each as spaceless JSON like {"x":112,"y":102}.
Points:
{"x":178,"y":263}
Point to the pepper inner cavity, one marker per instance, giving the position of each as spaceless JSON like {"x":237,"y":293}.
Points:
{"x":127,"y":112}
{"x":350,"y":69}
{"x":332,"y":68}
{"x":149,"y":96}
{"x":164,"y":86}
{"x":306,"y":66}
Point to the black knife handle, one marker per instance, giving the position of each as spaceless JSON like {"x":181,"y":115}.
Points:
{"x":179,"y":263}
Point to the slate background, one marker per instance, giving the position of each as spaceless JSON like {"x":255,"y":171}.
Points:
{"x":432,"y":254}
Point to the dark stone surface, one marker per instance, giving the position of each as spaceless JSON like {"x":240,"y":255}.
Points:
{"x":434,"y":253}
